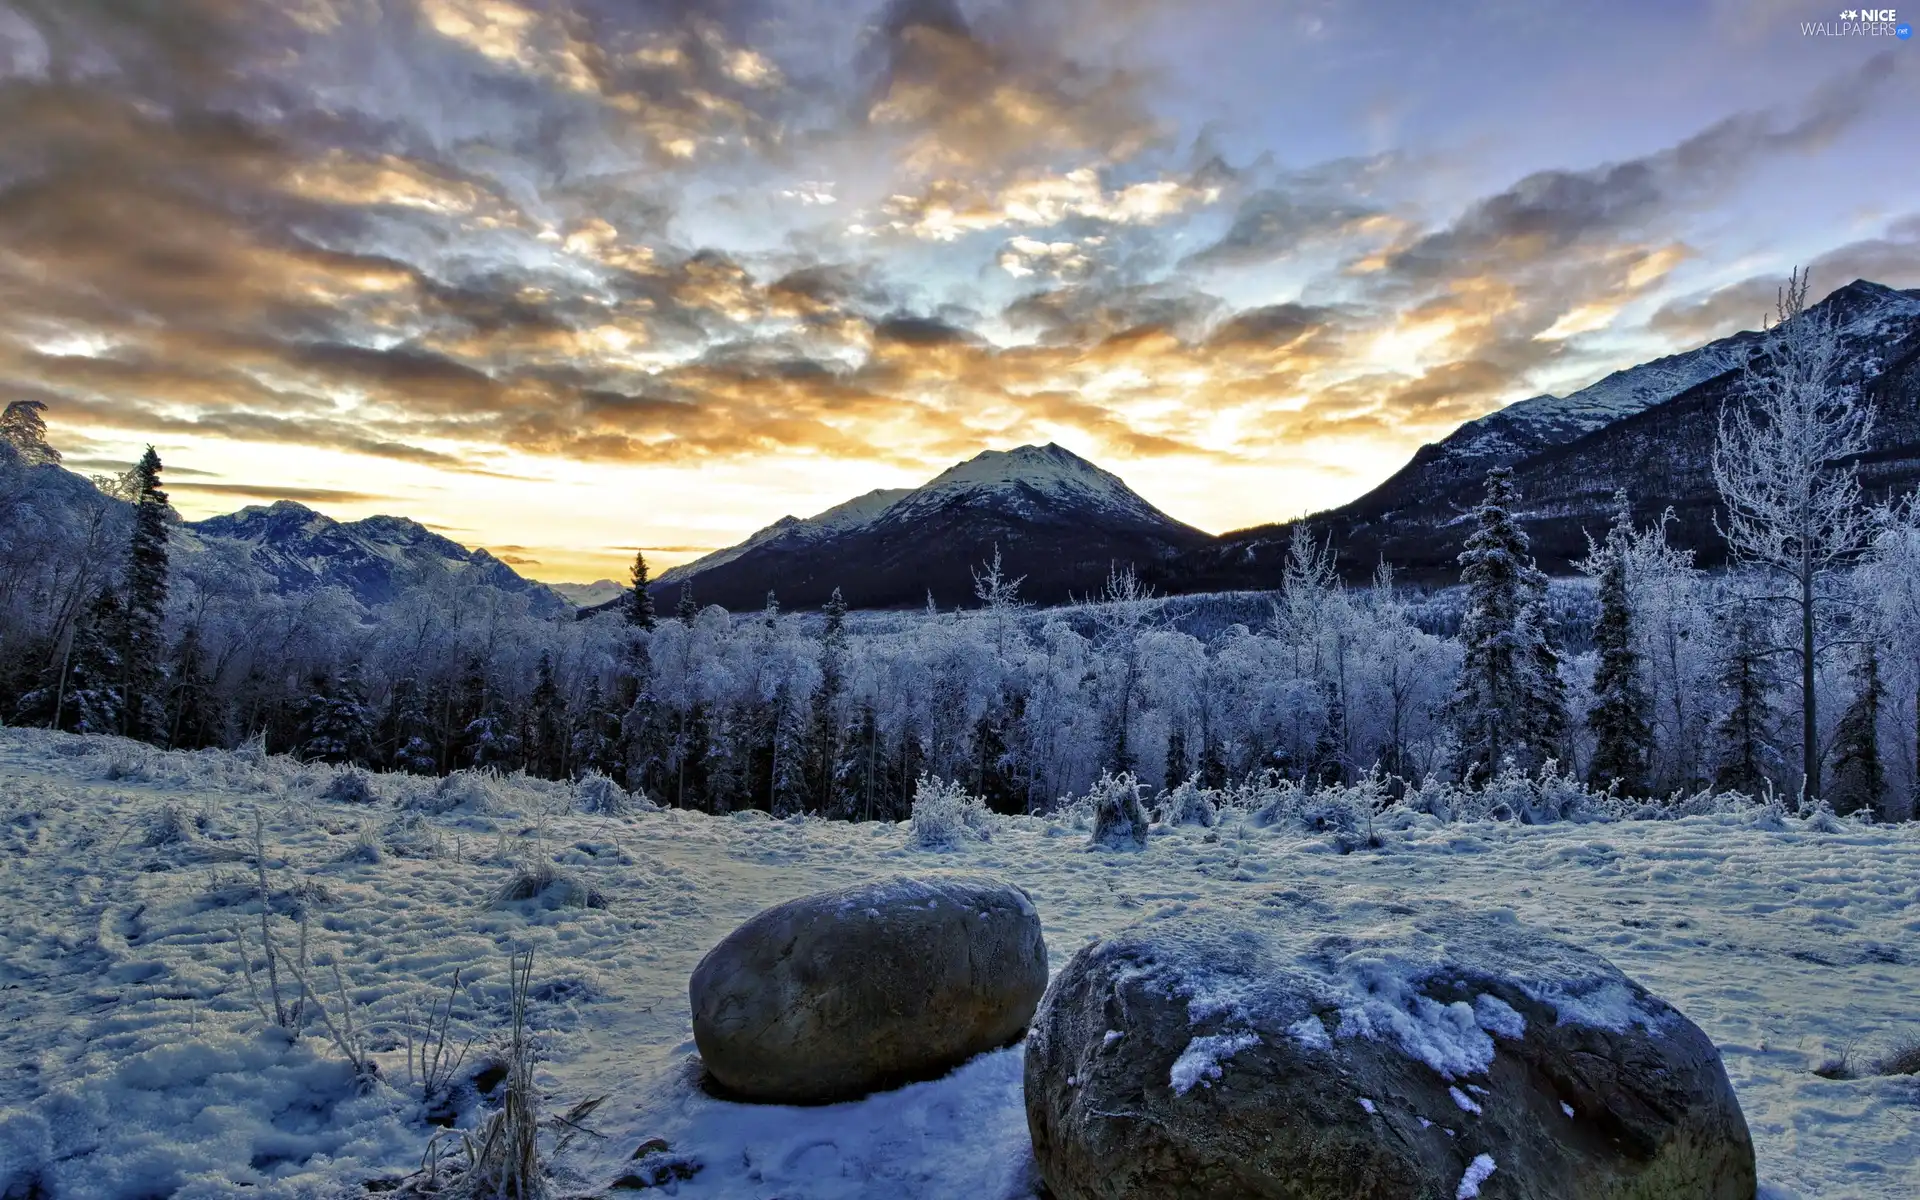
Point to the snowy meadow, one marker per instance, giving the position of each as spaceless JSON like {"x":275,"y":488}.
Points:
{"x":135,"y":1061}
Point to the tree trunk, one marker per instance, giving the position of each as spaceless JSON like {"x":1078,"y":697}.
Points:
{"x":1809,"y":744}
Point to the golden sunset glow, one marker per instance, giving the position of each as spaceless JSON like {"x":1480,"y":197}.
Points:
{"x":563,"y":280}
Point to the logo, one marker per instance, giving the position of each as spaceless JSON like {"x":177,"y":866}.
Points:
{"x":1860,"y":22}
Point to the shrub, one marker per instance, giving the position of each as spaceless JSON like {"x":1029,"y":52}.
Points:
{"x":596,"y":793}
{"x":1120,"y":819}
{"x":351,"y":786}
{"x":945,"y":816}
{"x":1189,"y":804}
{"x":553,"y":888}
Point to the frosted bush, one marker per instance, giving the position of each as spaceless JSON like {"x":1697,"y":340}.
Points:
{"x":1189,"y":804}
{"x":463,"y":791}
{"x":351,"y":786}
{"x":945,"y":816}
{"x":596,"y":793}
{"x":1120,"y":819}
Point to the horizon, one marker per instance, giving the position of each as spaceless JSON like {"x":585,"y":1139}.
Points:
{"x":559,"y":281}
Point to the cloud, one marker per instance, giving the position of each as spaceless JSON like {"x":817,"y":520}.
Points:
{"x":269,"y":491}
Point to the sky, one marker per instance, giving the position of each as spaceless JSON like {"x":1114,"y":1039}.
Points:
{"x":567,"y":278}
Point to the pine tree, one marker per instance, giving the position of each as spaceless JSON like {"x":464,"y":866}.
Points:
{"x":547,"y":724}
{"x":1179,"y":770}
{"x":90,"y":699}
{"x":1212,"y":771}
{"x":591,"y":747}
{"x":192,"y":711}
{"x":335,"y":724}
{"x":1488,"y":707}
{"x":1545,"y":712}
{"x":823,"y":730}
{"x":406,"y":740}
{"x":687,"y":610}
{"x":1744,"y":734}
{"x":22,"y":427}
{"x":1622,"y":734}
{"x":640,"y":601}
{"x":1859,"y":780}
{"x":143,"y":651}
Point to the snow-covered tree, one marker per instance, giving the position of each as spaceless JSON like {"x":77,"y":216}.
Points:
{"x":1489,"y":707}
{"x":1745,"y":749}
{"x":1618,"y":717}
{"x":143,"y":652}
{"x":22,"y":427}
{"x":1784,"y":463}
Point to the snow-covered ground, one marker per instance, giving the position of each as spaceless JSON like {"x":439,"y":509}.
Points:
{"x":133,"y":1063}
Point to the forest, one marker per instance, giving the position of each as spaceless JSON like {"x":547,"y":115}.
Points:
{"x":1794,"y":672}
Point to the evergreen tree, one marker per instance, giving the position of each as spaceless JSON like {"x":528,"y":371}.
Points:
{"x":1212,"y":771}
{"x":1489,"y":703}
{"x":1545,"y":713}
{"x":823,"y":730}
{"x":687,"y":609}
{"x":90,"y":699}
{"x":591,"y":749}
{"x":22,"y":427}
{"x":1178,"y":769}
{"x":193,"y":712}
{"x":143,"y":650}
{"x":1623,"y":738}
{"x":639,"y":601}
{"x":547,"y":724}
{"x":1859,"y":780}
{"x":1744,"y":734}
{"x":406,"y":741}
{"x":335,"y":724}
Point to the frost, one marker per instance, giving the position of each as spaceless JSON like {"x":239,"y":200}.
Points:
{"x":1566,"y":1108}
{"x":1497,"y":1017}
{"x":1200,"y":1061}
{"x":1467,"y":1103}
{"x":1477,"y":1172}
{"x":1368,"y":1105}
{"x":1311,"y":1033}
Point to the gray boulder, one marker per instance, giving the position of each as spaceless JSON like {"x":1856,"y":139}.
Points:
{"x":1301,"y":1050}
{"x":842,"y":993}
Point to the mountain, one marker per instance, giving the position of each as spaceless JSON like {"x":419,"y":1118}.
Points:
{"x":586,"y":595}
{"x":1649,"y":429}
{"x":371,"y":558}
{"x":1055,"y":518}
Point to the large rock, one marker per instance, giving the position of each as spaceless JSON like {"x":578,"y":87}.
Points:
{"x":846,"y":992}
{"x":1294,"y":1049}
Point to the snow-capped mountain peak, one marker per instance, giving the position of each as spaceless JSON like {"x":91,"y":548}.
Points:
{"x":1049,"y":475}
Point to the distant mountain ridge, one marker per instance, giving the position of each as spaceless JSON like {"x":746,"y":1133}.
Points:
{"x":1648,"y":429}
{"x":1055,"y":518}
{"x":372,"y":558}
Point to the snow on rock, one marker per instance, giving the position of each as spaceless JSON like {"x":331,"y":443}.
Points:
{"x":1476,"y":1174}
{"x":1200,"y":1062}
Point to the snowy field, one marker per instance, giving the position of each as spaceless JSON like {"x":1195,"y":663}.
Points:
{"x":133,"y":1062}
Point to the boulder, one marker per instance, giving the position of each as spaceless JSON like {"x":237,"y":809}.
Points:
{"x":835,"y":995}
{"x":1313,"y":1051}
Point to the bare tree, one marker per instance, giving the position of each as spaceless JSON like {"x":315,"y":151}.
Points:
{"x":1784,"y":463}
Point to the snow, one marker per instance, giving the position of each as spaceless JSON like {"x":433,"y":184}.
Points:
{"x":1477,"y":1172}
{"x":1200,"y":1062}
{"x":847,"y":517}
{"x":132,"y":1063}
{"x":1051,"y":472}
{"x":1465,"y":1102}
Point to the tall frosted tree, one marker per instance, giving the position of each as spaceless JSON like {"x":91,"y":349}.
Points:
{"x":1784,"y":463}
{"x":688,"y":609}
{"x":1488,"y":707}
{"x":1622,"y":733}
{"x":639,"y":601}
{"x":144,"y":649}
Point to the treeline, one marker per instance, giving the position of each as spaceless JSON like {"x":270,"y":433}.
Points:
{"x":1796,"y":672}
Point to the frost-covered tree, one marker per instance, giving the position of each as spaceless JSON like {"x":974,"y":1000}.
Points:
{"x":1784,"y":463}
{"x":22,"y":427}
{"x":639,"y":606}
{"x":1618,"y":716}
{"x":336,"y":726}
{"x":1544,"y":711}
{"x":688,"y":609}
{"x":547,"y":732}
{"x":90,"y":697}
{"x":1859,"y":781}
